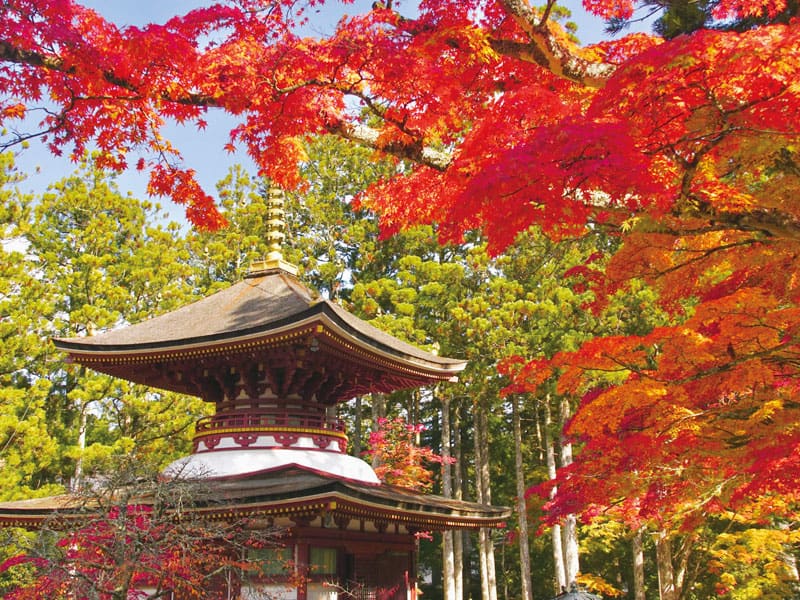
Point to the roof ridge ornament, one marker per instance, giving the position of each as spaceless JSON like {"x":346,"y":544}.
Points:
{"x":276,"y":233}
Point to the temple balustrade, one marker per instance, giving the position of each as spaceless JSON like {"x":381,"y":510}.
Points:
{"x":270,"y":429}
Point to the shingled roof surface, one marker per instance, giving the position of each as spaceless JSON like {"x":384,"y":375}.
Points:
{"x":294,"y":483}
{"x":260,"y":304}
{"x":292,"y":489}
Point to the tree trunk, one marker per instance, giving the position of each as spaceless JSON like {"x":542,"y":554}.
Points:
{"x":378,"y":412}
{"x":479,"y":497}
{"x":378,"y":407}
{"x":569,"y":535}
{"x":638,"y":566}
{"x":357,"y":428}
{"x":414,"y":410}
{"x":469,"y":545}
{"x":522,"y":509}
{"x":448,"y":558}
{"x":666,"y":575}
{"x":486,"y":549}
{"x":541,"y":444}
{"x":791,"y":565}
{"x":681,"y":564}
{"x":458,"y":482}
{"x":570,"y":529}
{"x":560,"y":574}
{"x":77,"y":476}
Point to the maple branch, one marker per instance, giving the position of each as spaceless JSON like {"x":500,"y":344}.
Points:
{"x":364,"y":135}
{"x":770,"y":223}
{"x":10,"y":53}
{"x":545,"y":50}
{"x":546,"y":12}
{"x":370,"y":137}
{"x":17,"y":138}
{"x":700,"y":255}
{"x":767,"y":354}
{"x":13,"y":54}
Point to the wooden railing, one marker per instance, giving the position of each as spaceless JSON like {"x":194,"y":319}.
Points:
{"x":266,"y":420}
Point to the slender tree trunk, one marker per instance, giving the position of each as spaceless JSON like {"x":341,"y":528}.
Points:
{"x":480,"y":498}
{"x":414,"y":410}
{"x":522,"y":508}
{"x":681,"y":560}
{"x":570,"y":528}
{"x":448,"y":558}
{"x":458,"y":483}
{"x":638,"y":566}
{"x":378,"y":412}
{"x":541,"y":443}
{"x":503,"y":580}
{"x":469,"y":544}
{"x":448,"y":566}
{"x":550,"y":455}
{"x":458,"y":563}
{"x":569,"y":535}
{"x":77,"y":476}
{"x":666,"y":575}
{"x":488,"y":574}
{"x":791,"y":565}
{"x":357,"y":427}
{"x":378,"y":407}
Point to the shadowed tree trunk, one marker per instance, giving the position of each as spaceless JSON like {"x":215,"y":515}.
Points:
{"x":638,"y":566}
{"x":357,"y":427}
{"x":666,"y":573}
{"x":486,"y":549}
{"x":458,"y":482}
{"x":448,"y":558}
{"x":560,"y":575}
{"x":570,"y":528}
{"x":522,"y":512}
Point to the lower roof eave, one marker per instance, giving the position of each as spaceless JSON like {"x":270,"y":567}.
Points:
{"x":334,"y":503}
{"x":295,"y":491}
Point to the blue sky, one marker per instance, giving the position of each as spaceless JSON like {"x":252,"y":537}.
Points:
{"x":203,"y":151}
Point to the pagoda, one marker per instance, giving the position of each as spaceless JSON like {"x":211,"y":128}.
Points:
{"x":275,"y":361}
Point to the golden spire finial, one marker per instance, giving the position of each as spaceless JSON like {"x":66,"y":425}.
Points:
{"x":276,"y":233}
{"x":275,"y":223}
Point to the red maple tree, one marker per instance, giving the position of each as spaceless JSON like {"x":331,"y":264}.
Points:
{"x":399,"y":458}
{"x":685,"y":146}
{"x":124,"y":550}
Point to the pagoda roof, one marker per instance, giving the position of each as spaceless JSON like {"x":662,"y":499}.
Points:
{"x":268,"y":309}
{"x":296,"y":492}
{"x":296,"y":489}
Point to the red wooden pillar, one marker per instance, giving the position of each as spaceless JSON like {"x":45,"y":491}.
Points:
{"x":411,"y":574}
{"x":301,"y":568}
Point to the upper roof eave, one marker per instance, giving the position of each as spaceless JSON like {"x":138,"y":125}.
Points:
{"x":256,"y":308}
